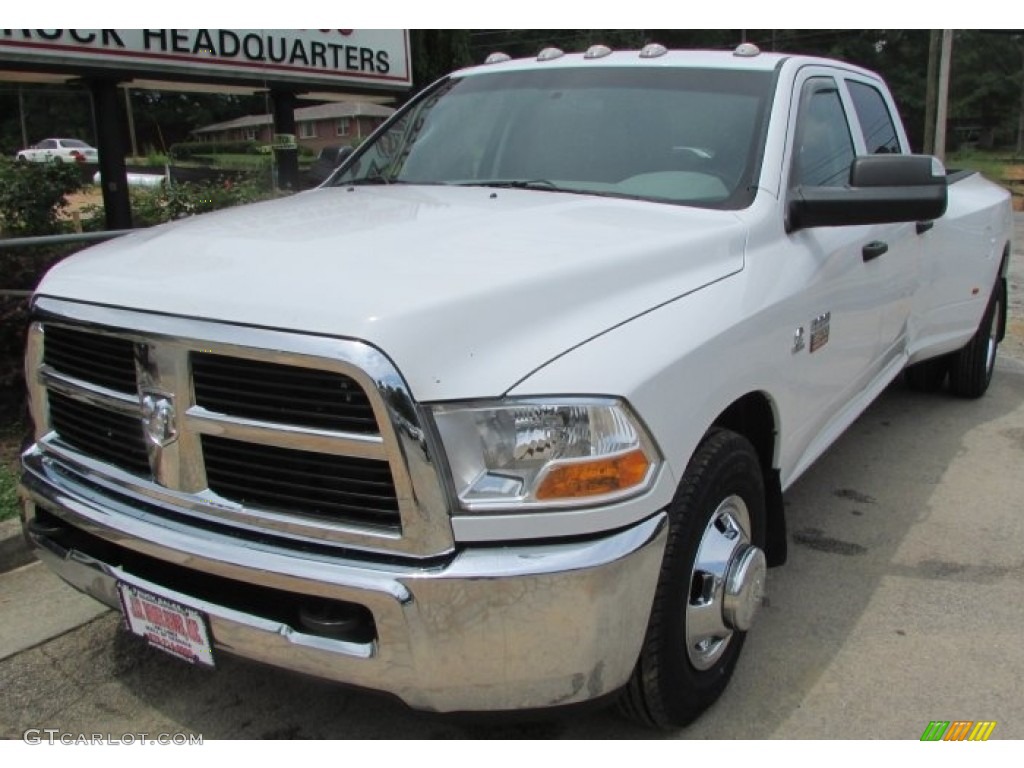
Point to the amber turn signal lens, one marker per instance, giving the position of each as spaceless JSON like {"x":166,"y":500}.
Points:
{"x":595,"y":478}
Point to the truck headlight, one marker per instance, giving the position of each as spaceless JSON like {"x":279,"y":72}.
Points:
{"x":539,"y":453}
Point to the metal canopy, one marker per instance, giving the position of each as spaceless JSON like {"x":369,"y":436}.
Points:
{"x":331,"y":65}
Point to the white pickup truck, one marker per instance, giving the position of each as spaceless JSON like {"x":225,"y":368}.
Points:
{"x":501,"y":416}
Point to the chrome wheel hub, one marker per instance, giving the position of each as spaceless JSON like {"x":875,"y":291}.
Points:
{"x":726,"y":584}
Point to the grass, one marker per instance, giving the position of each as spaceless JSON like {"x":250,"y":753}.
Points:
{"x":991,"y":164}
{"x":8,"y":493}
{"x":11,"y":434}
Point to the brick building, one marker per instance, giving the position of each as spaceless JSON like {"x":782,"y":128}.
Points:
{"x":336,"y":123}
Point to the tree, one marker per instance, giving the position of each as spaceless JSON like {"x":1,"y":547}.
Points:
{"x":49,"y":110}
{"x":436,"y":52}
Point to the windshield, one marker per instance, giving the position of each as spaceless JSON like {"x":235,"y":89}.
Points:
{"x":675,"y":135}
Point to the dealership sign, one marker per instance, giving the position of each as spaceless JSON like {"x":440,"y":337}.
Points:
{"x":309,"y":56}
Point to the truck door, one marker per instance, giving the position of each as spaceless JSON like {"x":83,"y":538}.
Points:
{"x":836,"y":313}
{"x":893,"y":251}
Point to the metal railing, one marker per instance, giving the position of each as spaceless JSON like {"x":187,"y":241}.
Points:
{"x":71,"y":237}
{"x":63,"y":239}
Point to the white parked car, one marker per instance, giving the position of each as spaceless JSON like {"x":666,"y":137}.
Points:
{"x":60,"y":151}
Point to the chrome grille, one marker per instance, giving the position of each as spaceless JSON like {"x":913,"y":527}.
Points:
{"x":285,"y":394}
{"x":104,"y":360}
{"x":305,"y":438}
{"x":106,"y":435}
{"x":336,"y":488}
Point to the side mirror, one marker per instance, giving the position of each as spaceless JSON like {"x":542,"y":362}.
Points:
{"x":883,"y":189}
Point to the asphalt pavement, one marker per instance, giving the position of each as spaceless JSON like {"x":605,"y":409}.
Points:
{"x":901,"y":604}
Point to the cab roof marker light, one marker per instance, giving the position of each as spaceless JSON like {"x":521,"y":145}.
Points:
{"x":747,"y":50}
{"x":597,"y":52}
{"x":497,"y":58}
{"x":549,"y":54}
{"x":653,"y":51}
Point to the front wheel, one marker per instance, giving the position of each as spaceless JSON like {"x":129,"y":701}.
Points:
{"x":711,"y":585}
{"x":971,"y":368}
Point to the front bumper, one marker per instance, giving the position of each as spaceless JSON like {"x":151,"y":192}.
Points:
{"x":489,"y":628}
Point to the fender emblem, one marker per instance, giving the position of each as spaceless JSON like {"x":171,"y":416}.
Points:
{"x":819,"y":331}
{"x":798,"y":339}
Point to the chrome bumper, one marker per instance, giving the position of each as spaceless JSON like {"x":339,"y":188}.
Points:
{"x":491,"y":628}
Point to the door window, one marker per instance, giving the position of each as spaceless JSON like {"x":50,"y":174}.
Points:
{"x":875,"y":120}
{"x":824,"y":146}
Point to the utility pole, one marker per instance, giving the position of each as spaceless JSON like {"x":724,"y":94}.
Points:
{"x":943,"y":100}
{"x":21,"y":114}
{"x":131,"y":120}
{"x":1020,"y":117}
{"x":931,"y":91}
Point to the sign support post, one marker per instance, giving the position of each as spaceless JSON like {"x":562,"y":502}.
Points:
{"x":111,"y":130}
{"x":286,"y":157}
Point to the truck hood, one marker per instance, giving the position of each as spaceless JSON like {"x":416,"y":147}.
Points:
{"x":467,"y":290}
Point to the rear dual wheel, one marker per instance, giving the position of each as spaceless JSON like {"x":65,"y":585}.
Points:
{"x":711,"y":584}
{"x":969,"y":369}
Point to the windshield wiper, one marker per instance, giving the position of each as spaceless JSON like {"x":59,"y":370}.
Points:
{"x":515,"y":184}
{"x":370,"y":180}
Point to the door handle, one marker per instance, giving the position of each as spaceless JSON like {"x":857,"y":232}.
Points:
{"x":924,"y":226}
{"x":874,"y":249}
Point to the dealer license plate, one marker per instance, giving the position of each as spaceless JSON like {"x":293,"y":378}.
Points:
{"x":168,"y":625}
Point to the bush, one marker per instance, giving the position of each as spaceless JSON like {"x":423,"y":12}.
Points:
{"x":156,"y":205}
{"x":187,"y":150}
{"x":157,"y":160}
{"x":8,"y":494}
{"x":20,"y":270}
{"x":32,"y":195}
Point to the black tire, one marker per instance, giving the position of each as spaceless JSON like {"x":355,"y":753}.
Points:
{"x":928,"y":375}
{"x":667,"y":690}
{"x":971,"y":368}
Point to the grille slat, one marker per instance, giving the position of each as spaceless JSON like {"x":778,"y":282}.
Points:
{"x":285,"y":394}
{"x":99,"y":433}
{"x":240,"y":482}
{"x":104,"y":360}
{"x":287,"y":480}
{"x":380,"y":480}
{"x":225,"y":382}
{"x":336,"y":511}
{"x":281,"y":415}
